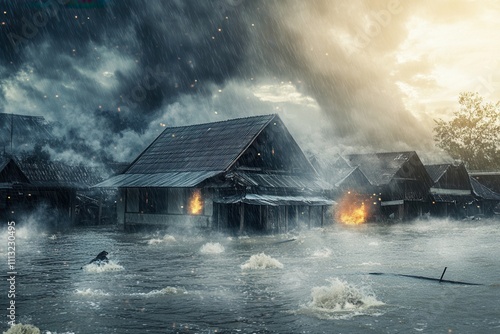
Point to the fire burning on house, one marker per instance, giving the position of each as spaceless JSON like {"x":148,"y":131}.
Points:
{"x":195,"y":203}
{"x":351,"y":210}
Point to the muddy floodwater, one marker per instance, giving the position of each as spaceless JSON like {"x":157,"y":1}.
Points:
{"x":308,"y":281}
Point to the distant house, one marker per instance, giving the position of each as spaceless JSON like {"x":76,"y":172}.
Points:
{"x":399,"y":183}
{"x":490,"y":179}
{"x":451,"y":192}
{"x":487,"y":200}
{"x":28,"y":186}
{"x":244,"y":174}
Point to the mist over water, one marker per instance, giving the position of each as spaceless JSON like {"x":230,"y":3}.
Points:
{"x":202,"y":283}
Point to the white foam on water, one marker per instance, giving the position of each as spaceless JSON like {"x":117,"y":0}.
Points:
{"x":339,"y":300}
{"x":53,"y":237}
{"x":96,"y":268}
{"x":91,"y":292}
{"x":23,"y":329}
{"x":371,"y":264}
{"x":212,"y":248}
{"x":169,"y":290}
{"x":261,"y":261}
{"x":323,"y":252}
{"x":167,"y":238}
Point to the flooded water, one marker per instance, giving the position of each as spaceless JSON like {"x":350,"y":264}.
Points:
{"x":309,"y":281}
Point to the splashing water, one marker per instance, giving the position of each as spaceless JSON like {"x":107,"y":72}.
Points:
{"x":96,"y":268}
{"x":261,"y":261}
{"x":340,"y":297}
{"x":212,"y":248}
{"x":323,"y":252}
{"x":166,"y":239}
{"x":91,"y":292}
{"x":22,"y":329}
{"x":169,"y":290}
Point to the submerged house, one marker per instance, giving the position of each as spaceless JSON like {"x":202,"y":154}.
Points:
{"x":487,"y":200}
{"x":27,"y":186}
{"x":245,"y":174}
{"x":451,"y":192}
{"x":399,"y":183}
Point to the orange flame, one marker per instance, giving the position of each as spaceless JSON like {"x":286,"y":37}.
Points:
{"x":351,"y":210}
{"x":195,"y":203}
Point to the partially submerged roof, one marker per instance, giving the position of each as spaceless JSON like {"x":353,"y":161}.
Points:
{"x":482,"y":191}
{"x":380,"y":168}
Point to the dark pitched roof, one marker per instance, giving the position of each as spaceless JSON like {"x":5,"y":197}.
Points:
{"x":436,"y":171}
{"x":482,"y":191}
{"x":202,"y":147}
{"x":60,"y":175}
{"x":380,"y":168}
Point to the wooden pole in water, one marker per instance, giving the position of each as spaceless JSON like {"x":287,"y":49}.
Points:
{"x":442,"y":274}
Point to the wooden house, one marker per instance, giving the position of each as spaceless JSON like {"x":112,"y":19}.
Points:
{"x":28,"y":186}
{"x":245,"y":174}
{"x":451,"y":192}
{"x":490,"y":179}
{"x":399,"y":183}
{"x":487,"y":201}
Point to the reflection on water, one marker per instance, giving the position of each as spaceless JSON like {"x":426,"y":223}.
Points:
{"x":310,"y":281}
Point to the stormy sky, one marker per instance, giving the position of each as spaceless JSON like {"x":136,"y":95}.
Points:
{"x":345,"y":76}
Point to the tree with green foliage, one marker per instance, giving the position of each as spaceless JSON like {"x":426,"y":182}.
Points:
{"x":473,"y":134}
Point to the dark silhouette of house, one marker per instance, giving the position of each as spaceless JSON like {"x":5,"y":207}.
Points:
{"x":57,"y":188}
{"x":451,"y":192}
{"x":398,"y":183}
{"x":487,"y":200}
{"x":245,"y":174}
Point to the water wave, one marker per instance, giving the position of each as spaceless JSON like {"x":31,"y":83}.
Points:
{"x":22,"y":329}
{"x":323,"y":252}
{"x":166,"y":239}
{"x":339,"y":300}
{"x":261,"y":261}
{"x":212,"y":248}
{"x":91,"y":292}
{"x":95,"y":268}
{"x":169,"y":290}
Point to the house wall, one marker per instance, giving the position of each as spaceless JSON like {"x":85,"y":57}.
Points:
{"x":164,"y":207}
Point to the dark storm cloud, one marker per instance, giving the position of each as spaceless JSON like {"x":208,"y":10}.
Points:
{"x":111,"y":72}
{"x":111,"y":66}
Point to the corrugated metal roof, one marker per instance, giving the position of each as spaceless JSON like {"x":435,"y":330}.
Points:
{"x":172,"y":180}
{"x":482,"y":191}
{"x":436,"y":171}
{"x":203,"y":147}
{"x":273,"y":200}
{"x":56,"y":174}
{"x":379,"y":168}
{"x":274,"y":180}
{"x":444,"y":198}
